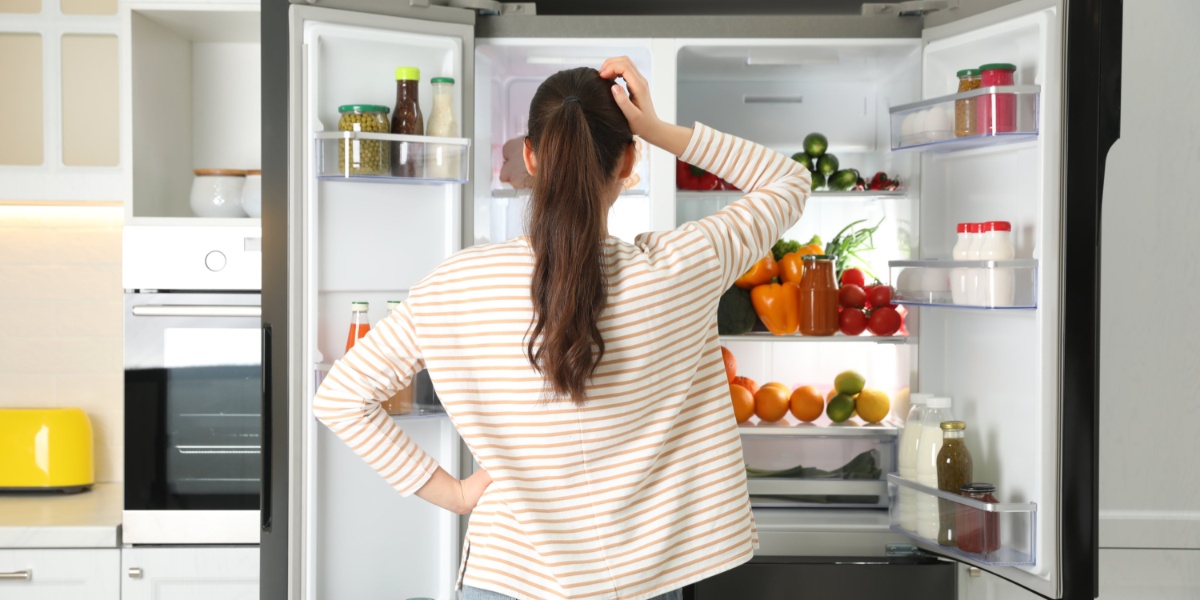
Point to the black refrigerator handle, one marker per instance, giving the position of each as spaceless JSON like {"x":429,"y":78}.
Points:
{"x":264,"y":493}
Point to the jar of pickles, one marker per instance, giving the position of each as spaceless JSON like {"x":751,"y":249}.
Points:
{"x":364,"y":156}
{"x":964,"y":110}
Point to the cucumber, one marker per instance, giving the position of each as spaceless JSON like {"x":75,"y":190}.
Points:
{"x":815,"y":144}
{"x":818,"y":180}
{"x":828,"y":164}
{"x":843,"y":180}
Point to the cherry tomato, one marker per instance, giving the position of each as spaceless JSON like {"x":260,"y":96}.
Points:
{"x":884,"y":321}
{"x":852,"y":321}
{"x":852,"y":296}
{"x":853,"y":277}
{"x":880,"y":296}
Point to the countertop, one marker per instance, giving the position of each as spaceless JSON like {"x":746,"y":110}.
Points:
{"x":89,"y":519}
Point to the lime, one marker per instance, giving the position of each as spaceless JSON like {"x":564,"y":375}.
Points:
{"x":818,"y":181}
{"x":840,"y":408}
{"x":815,"y":144}
{"x":849,"y":383}
{"x":873,"y":405}
{"x":827,"y":164}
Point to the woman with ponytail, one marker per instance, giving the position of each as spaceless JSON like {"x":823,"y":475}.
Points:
{"x":583,"y":372}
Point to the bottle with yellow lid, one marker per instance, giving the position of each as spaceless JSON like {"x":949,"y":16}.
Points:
{"x":407,"y":120}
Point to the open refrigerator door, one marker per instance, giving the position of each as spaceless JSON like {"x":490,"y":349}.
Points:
{"x":372,"y":213}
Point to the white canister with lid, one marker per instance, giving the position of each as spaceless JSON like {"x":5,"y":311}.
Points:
{"x":217,"y":193}
{"x":974,"y":275}
{"x":958,"y":275}
{"x":997,"y":245}
{"x":252,"y":194}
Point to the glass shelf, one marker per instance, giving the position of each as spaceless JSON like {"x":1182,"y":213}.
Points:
{"x":730,"y":196}
{"x":321,"y":370}
{"x":364,"y":156}
{"x":524,"y":193}
{"x":766,"y":336}
{"x":972,"y":284}
{"x":822,"y":427}
{"x":999,"y":115}
{"x":1005,"y":533}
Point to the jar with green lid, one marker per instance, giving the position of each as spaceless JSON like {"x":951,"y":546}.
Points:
{"x":964,"y":110}
{"x":364,"y":156}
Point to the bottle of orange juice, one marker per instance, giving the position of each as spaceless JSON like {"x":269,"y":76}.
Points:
{"x":358,"y":323}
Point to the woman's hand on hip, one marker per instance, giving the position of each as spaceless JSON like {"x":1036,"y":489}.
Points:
{"x":473,"y":488}
{"x":639,"y":108}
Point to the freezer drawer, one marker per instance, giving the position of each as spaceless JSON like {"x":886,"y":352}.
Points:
{"x":787,"y":578}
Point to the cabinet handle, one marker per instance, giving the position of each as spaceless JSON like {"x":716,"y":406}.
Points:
{"x":135,"y":573}
{"x":25,"y":575}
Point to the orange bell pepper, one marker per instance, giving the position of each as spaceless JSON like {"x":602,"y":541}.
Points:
{"x":762,"y":272}
{"x":778,"y":305}
{"x":791,"y":266}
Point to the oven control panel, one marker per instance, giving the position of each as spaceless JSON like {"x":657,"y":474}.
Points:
{"x":191,"y":258}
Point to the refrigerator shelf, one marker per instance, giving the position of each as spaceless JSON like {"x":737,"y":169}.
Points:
{"x":819,"y":471}
{"x":524,"y":193}
{"x":365,"y":156}
{"x":999,"y":114}
{"x":1011,"y":533}
{"x":766,"y":336}
{"x":821,"y":428}
{"x":730,"y":196}
{"x":1005,"y":284}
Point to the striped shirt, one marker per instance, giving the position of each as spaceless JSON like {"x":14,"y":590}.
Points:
{"x":637,"y":492}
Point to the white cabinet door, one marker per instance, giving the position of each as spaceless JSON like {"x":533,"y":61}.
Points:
{"x":60,"y":574}
{"x":189,"y":573}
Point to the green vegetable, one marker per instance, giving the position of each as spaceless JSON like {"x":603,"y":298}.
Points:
{"x":818,"y":180}
{"x":804,"y":159}
{"x":815,"y":145}
{"x":843,"y":180}
{"x":847,"y":245}
{"x":863,"y":466}
{"x":827,"y":164}
{"x":735,"y":312}
{"x":784,"y":247}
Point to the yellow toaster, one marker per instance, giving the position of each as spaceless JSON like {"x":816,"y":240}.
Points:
{"x":45,"y":449}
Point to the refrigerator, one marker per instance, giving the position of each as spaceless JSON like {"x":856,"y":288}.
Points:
{"x":1024,"y":377}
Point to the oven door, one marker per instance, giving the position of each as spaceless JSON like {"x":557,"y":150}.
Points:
{"x":193,"y":401}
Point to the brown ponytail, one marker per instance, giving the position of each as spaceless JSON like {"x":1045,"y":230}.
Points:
{"x":578,"y":135}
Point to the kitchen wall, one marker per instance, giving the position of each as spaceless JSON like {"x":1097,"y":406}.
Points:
{"x":60,"y":317}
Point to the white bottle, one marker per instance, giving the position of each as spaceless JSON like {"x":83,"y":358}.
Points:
{"x":442,"y":160}
{"x":958,"y":275}
{"x":937,"y":410}
{"x":997,"y":245}
{"x":974,"y":240}
{"x":910,"y":439}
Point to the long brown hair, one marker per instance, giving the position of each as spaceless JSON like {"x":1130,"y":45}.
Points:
{"x":579,"y":136}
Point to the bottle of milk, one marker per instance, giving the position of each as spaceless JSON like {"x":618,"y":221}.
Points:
{"x":910,"y":438}
{"x":442,"y":160}
{"x":937,"y":410}
{"x":997,"y":245}
{"x":975,"y":293}
{"x":958,"y":276}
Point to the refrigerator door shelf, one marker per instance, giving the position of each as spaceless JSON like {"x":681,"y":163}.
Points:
{"x":983,"y":117}
{"x":1012,"y":532}
{"x":368,"y":156}
{"x":998,"y":284}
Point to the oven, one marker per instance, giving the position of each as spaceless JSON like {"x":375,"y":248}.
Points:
{"x":193,"y":417}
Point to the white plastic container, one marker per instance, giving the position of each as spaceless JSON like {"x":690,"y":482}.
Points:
{"x":217,"y":193}
{"x":997,"y":245}
{"x":937,"y":410}
{"x":252,"y":194}
{"x":910,"y":440}
{"x":974,"y":292}
{"x":958,"y":277}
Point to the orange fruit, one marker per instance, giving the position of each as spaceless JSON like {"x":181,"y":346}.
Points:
{"x":743,"y":403}
{"x":747,"y":383}
{"x":807,"y":404}
{"x":730,"y":363}
{"x":772,"y":401}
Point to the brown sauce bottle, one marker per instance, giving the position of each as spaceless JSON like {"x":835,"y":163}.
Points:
{"x":407,"y":157}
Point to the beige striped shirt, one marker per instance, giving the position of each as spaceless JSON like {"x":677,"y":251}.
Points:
{"x":642,"y":489}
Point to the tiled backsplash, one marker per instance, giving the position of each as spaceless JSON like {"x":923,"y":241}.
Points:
{"x":60,"y":317}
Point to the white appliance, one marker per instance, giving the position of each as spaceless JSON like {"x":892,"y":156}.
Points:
{"x":1023,"y":379}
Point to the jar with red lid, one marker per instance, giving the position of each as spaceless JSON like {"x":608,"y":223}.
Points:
{"x":997,"y":113}
{"x":978,"y":530}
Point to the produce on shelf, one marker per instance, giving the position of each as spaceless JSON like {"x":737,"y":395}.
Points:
{"x":790,"y":254}
{"x":840,"y":407}
{"x":863,"y":466}
{"x":693,"y":178}
{"x":735,"y":312}
{"x":852,"y":322}
{"x":807,"y":404}
{"x":849,"y":382}
{"x":849,"y":243}
{"x":884,"y":320}
{"x":772,"y":402}
{"x":778,"y":306}
{"x":747,"y":383}
{"x":872,"y":405}
{"x":762,"y":272}
{"x":730,"y":363}
{"x":853,"y":276}
{"x":743,"y":403}
{"x":827,"y":172}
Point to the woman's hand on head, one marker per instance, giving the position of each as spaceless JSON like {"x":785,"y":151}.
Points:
{"x":639,"y":109}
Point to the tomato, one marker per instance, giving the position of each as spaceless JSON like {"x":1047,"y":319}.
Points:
{"x":852,"y":296}
{"x":880,"y":296}
{"x":853,"y":277}
{"x":852,"y":321}
{"x":884,"y":321}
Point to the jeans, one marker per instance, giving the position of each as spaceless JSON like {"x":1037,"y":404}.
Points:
{"x":470,"y":593}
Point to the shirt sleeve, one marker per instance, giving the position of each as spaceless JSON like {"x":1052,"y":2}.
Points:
{"x":776,"y":187}
{"x":348,"y":401}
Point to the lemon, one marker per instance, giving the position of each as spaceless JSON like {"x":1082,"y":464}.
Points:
{"x":873,"y":405}
{"x":839,"y":408}
{"x":849,"y":383}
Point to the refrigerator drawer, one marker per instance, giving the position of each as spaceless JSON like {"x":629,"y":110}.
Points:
{"x":819,"y":466}
{"x":787,"y":578}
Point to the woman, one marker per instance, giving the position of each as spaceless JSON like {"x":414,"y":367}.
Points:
{"x":584,"y":373}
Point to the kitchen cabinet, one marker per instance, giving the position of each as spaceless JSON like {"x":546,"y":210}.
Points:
{"x":60,"y":574}
{"x":189,"y":573}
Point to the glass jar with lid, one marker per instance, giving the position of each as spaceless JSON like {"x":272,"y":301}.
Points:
{"x":818,"y":296}
{"x":364,"y":156}
{"x":978,"y":530}
{"x":954,"y":469}
{"x":997,"y":112}
{"x":964,"y":110}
